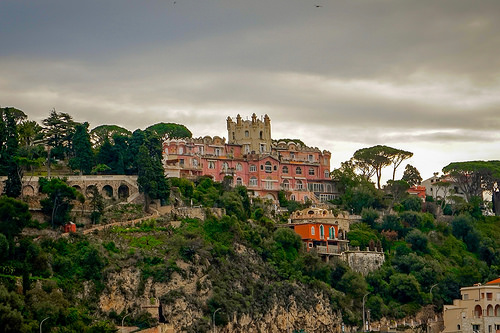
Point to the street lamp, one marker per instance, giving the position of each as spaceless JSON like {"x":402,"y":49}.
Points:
{"x":430,"y":291}
{"x":124,"y":319}
{"x":214,"y":316}
{"x":42,"y":323}
{"x":364,"y":310}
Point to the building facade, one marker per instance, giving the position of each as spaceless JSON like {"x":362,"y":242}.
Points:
{"x":326,"y":232}
{"x":252,"y":159}
{"x":478,"y":310}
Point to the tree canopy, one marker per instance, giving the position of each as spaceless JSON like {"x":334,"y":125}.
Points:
{"x":171,"y":130}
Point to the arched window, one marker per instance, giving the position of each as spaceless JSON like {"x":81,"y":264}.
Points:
{"x":285,"y":185}
{"x":313,"y":232}
{"x":239,"y":167}
{"x":253,"y":181}
{"x":269,"y":183}
{"x":478,"y":311}
{"x":253,"y":168}
{"x":331,"y":233}
{"x":269,"y":167}
{"x":225,"y":166}
{"x":247,"y":134}
{"x":298,"y":170}
{"x":211,"y":164}
{"x":489,"y":310}
{"x":299,"y":185}
{"x":261,"y":134}
{"x":285,"y":169}
{"x":321,"y":232}
{"x":327,"y":174}
{"x":292,"y":197}
{"x":239,"y":181}
{"x":497,"y":310}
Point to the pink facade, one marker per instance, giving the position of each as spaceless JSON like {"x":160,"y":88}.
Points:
{"x":303,"y":172}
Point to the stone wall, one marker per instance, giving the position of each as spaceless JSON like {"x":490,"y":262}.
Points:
{"x":364,"y":261}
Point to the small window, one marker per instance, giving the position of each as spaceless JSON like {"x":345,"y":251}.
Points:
{"x":239,"y":167}
{"x":313,"y":232}
{"x":253,"y":181}
{"x":261,"y":134}
{"x":217,"y":151}
{"x":234,"y":137}
{"x":310,"y":158}
{"x":181,"y":162}
{"x":299,"y":185}
{"x":311,"y":171}
{"x":194,"y":162}
{"x":211,"y":164}
{"x":239,"y":181}
{"x":225,"y":166}
{"x":181,"y":150}
{"x":298,"y":170}
{"x":247,"y":134}
{"x":253,"y":168}
{"x":327,"y":174}
{"x":285,"y":169}
{"x":310,"y":245}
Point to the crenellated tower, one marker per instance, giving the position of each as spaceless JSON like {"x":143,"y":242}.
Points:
{"x":254,"y":135}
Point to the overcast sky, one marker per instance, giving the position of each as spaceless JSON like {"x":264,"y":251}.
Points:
{"x":423,"y":76}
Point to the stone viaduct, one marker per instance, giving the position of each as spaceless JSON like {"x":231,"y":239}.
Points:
{"x":120,"y":187}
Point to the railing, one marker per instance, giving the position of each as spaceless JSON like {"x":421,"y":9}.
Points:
{"x":327,"y":250}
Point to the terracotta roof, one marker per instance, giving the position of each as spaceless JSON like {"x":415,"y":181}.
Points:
{"x":497,"y":281}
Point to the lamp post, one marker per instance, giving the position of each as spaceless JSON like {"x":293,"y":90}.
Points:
{"x":42,"y":323}
{"x":123,"y":320}
{"x":430,"y":291}
{"x":364,"y":310}
{"x":214,"y":316}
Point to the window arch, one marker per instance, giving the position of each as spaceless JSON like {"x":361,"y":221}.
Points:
{"x":225,"y":166}
{"x":239,"y":181}
{"x":239,"y":167}
{"x":331,"y":233}
{"x":327,"y":174}
{"x":285,"y":169}
{"x":497,"y":310}
{"x":321,"y":232}
{"x":285,"y":185}
{"x":253,"y":181}
{"x":269,"y":167}
{"x":298,"y":170}
{"x":478,"y":311}
{"x":313,"y":232}
{"x":299,"y":185}
{"x":261,"y":134}
{"x":247,"y":134}
{"x":253,"y":168}
{"x":489,"y":310}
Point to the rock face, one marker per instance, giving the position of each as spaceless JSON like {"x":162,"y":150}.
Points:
{"x":181,"y":303}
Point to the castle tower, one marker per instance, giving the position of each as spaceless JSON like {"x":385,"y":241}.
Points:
{"x":254,"y":135}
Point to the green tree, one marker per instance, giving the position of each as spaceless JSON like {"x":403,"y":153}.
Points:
{"x":411,"y":175}
{"x":83,"y":159}
{"x":58,"y":131}
{"x":418,"y":241}
{"x":397,"y":156}
{"x":9,"y":152}
{"x":170,"y":129}
{"x":14,"y":216}
{"x":404,"y":288}
{"x":412,"y":202}
{"x":151,"y":179}
{"x":58,"y":205}
{"x":398,"y":189}
{"x":103,"y":133}
{"x":96,"y":204}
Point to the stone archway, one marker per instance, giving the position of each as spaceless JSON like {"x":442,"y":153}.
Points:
{"x":77,"y":187}
{"x":89,"y":190}
{"x":28,"y":191}
{"x":123,"y":192}
{"x":107,"y":191}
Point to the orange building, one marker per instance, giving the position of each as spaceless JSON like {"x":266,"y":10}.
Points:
{"x":321,"y":229}
{"x":418,"y":190}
